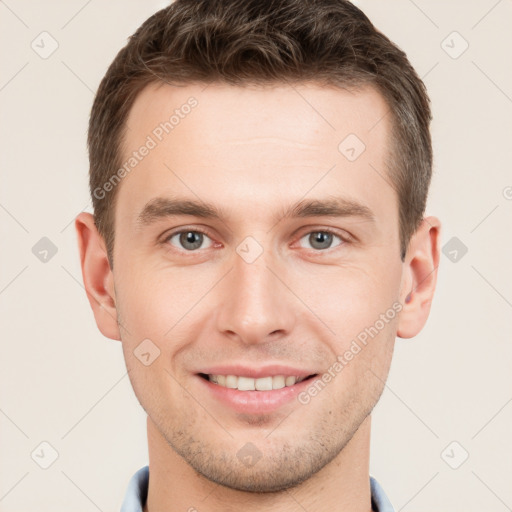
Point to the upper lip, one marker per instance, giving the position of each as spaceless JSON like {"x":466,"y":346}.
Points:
{"x":243,"y":370}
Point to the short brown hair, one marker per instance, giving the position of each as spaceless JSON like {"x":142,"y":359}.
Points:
{"x":242,"y":42}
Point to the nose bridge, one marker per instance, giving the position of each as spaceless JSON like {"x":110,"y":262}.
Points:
{"x":254,"y":304}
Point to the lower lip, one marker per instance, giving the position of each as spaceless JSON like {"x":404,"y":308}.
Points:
{"x":255,"y":402}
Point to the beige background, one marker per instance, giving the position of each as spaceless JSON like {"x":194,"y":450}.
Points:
{"x":63,"y":383}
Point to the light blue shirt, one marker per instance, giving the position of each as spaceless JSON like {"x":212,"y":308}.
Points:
{"x":137,"y":492}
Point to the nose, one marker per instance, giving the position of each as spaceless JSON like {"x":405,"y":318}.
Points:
{"x":256,"y":306}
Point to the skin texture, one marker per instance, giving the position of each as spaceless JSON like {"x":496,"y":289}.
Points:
{"x":252,"y":152}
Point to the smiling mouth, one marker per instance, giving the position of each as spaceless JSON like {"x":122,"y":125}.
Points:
{"x":269,"y":383}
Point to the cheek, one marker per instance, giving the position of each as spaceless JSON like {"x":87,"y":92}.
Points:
{"x":163,"y":312}
{"x":153,"y":301}
{"x":148,"y":359}
{"x":350,"y":298}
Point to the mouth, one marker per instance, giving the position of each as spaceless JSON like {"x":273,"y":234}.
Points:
{"x":269,"y":383}
{"x":242,"y":388}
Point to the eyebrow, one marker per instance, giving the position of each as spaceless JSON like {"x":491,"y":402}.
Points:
{"x":163,"y":207}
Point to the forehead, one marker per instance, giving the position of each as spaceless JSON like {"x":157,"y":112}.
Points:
{"x":276,"y":140}
{"x":305,"y":111}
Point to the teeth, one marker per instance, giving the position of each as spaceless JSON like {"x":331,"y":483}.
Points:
{"x":231,"y":381}
{"x":246,"y":384}
{"x":290,"y":381}
{"x":263,"y":384}
{"x":250,"y":384}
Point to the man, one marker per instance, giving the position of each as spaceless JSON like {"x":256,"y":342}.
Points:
{"x":259,"y":174}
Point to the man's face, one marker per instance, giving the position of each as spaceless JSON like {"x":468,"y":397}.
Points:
{"x":257,"y":287}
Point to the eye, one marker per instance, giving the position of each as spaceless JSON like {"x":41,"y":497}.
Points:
{"x":189,"y":239}
{"x":322,"y":239}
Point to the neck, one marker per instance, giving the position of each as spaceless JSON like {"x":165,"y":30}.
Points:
{"x":343,"y":484}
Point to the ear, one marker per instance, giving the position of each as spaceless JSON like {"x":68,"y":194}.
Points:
{"x":97,"y":275}
{"x":419,"y":277}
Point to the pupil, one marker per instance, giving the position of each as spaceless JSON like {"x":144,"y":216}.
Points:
{"x":192,"y":238}
{"x":322,"y":239}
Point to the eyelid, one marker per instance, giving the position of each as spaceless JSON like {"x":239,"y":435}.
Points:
{"x":346,"y":237}
{"x":183,"y":229}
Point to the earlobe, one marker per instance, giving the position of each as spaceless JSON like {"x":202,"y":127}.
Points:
{"x":420,"y":277}
{"x":97,"y":275}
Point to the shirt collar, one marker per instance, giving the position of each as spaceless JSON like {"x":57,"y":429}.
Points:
{"x":137,"y":493}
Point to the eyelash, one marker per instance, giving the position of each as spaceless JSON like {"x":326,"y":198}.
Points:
{"x":344,"y":239}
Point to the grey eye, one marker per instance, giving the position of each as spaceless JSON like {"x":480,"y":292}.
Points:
{"x":321,"y":240}
{"x":188,"y":240}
